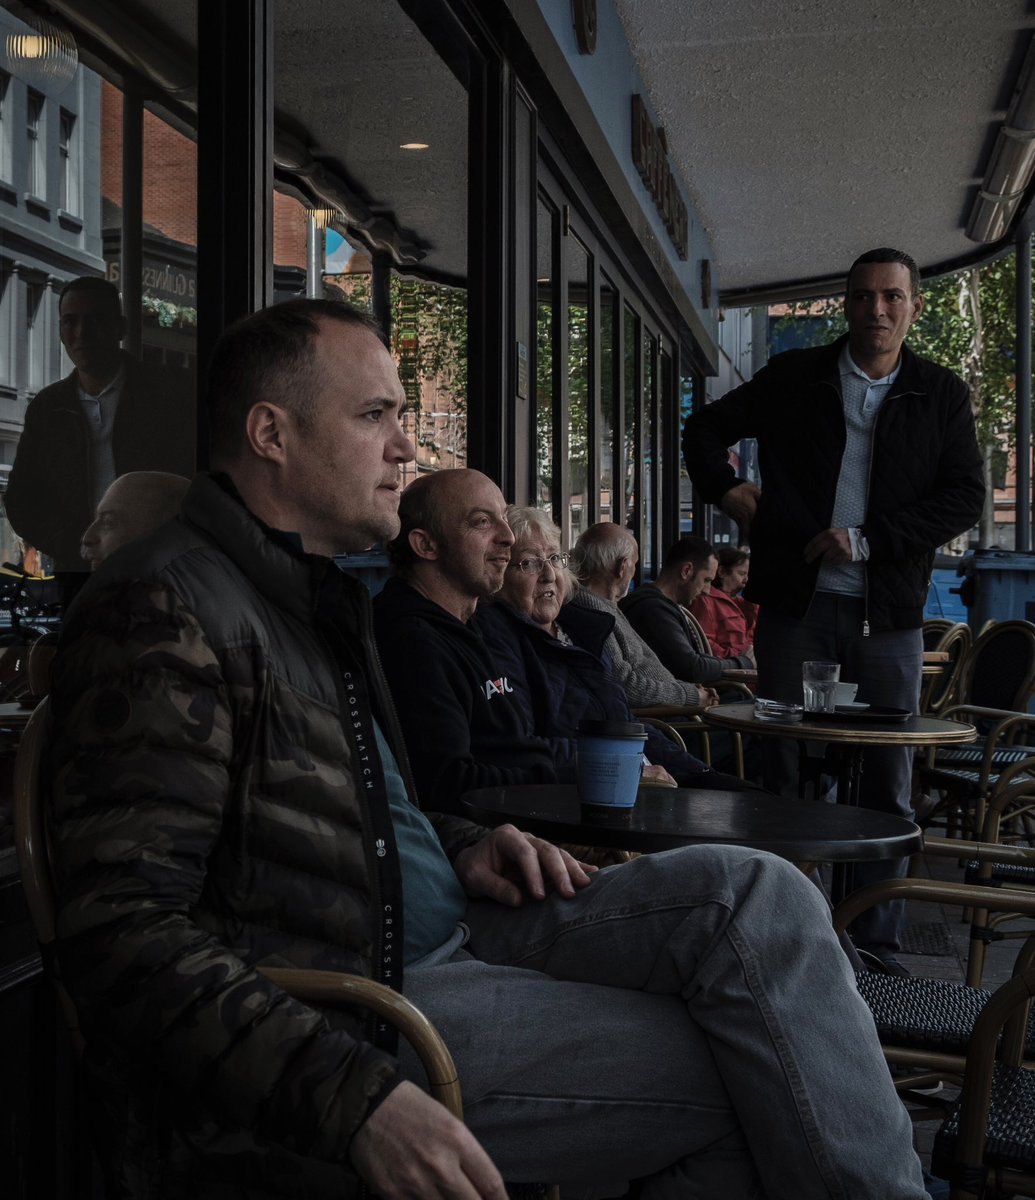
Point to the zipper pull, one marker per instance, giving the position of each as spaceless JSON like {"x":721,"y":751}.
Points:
{"x":866,"y":628}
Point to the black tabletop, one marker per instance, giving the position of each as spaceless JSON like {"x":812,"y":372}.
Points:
{"x":665,"y":818}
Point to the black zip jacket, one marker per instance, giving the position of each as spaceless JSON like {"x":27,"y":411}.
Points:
{"x":926,"y":482}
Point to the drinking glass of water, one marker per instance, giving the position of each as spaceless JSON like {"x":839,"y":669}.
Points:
{"x":819,"y":684}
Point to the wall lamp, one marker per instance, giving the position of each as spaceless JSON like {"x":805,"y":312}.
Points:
{"x":1012,"y":162}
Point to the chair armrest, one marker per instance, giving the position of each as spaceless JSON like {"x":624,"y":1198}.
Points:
{"x":671,"y":733}
{"x":975,"y":710}
{"x":963,"y":895}
{"x":336,"y":988}
{"x":671,"y":712}
{"x":1018,"y":856}
{"x":734,"y":685}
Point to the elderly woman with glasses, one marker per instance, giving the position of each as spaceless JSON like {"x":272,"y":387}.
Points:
{"x":556,"y":651}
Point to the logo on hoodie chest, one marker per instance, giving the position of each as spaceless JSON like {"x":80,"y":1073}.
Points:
{"x":496,"y":687}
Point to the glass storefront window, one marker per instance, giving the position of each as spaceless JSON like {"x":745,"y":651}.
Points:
{"x":429,"y":342}
{"x":169,"y":294}
{"x":609,"y":375}
{"x":545,"y":391}
{"x":61,"y":221}
{"x":85,"y":396}
{"x":392,"y":178}
{"x":650,"y":442}
{"x":631,"y":424}
{"x":577,"y":269}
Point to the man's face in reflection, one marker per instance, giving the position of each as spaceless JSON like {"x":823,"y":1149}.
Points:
{"x":132,"y":507}
{"x":91,"y":328}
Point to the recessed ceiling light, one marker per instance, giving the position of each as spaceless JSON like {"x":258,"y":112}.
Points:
{"x":414,"y":146}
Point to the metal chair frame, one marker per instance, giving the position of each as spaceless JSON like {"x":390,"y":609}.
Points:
{"x":938,"y":691}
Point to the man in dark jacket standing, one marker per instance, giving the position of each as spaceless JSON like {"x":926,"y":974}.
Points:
{"x":869,"y":463}
{"x":109,"y":416}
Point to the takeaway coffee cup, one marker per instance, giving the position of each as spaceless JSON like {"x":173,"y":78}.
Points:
{"x":609,"y":763}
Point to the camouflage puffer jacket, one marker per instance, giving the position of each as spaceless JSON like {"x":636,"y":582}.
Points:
{"x":212,"y":702}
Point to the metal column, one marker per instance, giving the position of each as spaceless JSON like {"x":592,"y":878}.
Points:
{"x":131,"y":251}
{"x":313,"y":258}
{"x":235,"y":169}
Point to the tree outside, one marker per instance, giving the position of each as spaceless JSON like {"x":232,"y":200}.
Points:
{"x":429,"y":344}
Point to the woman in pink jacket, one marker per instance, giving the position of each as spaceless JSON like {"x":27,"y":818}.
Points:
{"x":726,"y":617}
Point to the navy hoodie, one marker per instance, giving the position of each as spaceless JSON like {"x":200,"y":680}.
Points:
{"x":463,"y":724}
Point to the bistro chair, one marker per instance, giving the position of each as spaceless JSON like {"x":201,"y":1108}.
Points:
{"x":325,"y":988}
{"x":938,"y":689}
{"x":933,"y":628}
{"x":1008,"y":826}
{"x":924,"y":1024}
{"x":996,"y":681}
{"x":999,"y":670}
{"x":702,"y":644}
{"x":986,"y":1145}
{"x":685,"y":723}
{"x":687,"y":719}
{"x":41,"y":655}
{"x":318,"y":987}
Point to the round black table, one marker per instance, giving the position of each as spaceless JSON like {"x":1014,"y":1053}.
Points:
{"x":848,"y":737}
{"x":804,"y":831}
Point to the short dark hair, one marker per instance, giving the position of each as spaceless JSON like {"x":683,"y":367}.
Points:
{"x":97,"y":285}
{"x":730,"y":557}
{"x":885,"y":254}
{"x":688,"y":549}
{"x":417,"y":510}
{"x":269,"y":355}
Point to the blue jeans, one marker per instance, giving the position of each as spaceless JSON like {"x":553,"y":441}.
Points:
{"x":688,"y":1018}
{"x":888,"y":669}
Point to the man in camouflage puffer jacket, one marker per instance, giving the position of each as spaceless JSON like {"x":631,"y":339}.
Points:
{"x":229,"y":792}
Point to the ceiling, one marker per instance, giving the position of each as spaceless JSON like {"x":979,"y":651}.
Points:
{"x":806,"y":130}
{"x":809,"y":131}
{"x":358,"y":80}
{"x":353,"y":81}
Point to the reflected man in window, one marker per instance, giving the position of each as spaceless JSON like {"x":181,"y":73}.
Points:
{"x":109,"y":416}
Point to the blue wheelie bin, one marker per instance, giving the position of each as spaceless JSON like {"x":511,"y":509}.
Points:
{"x":999,"y":585}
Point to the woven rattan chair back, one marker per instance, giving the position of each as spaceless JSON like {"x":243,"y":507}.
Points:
{"x":933,"y":629}
{"x":939,"y":690}
{"x":999,"y":671}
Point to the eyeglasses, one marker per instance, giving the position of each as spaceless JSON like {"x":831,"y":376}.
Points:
{"x":533,"y":566}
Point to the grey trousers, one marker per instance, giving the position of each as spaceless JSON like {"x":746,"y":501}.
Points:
{"x":888,"y":669}
{"x":689,"y":1018}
